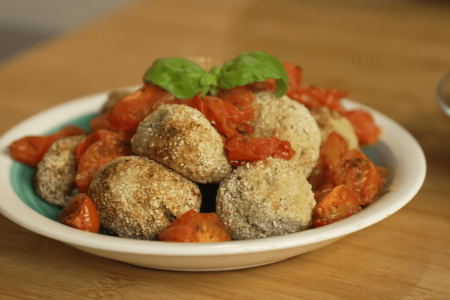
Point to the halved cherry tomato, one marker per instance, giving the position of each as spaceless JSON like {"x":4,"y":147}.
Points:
{"x":226,"y":115}
{"x":310,"y":96}
{"x":321,"y":191}
{"x":366,"y":129}
{"x":238,"y":96}
{"x":339,"y":204}
{"x":331,"y":152}
{"x":128,"y":112}
{"x":241,"y":97}
{"x":357,"y":172}
{"x":259,"y":86}
{"x":97,"y":150}
{"x":314,"y":98}
{"x":81,"y":213}
{"x":30,"y":150}
{"x":101,"y":122}
{"x":294,"y":73}
{"x":109,"y":138}
{"x":194,"y":227}
{"x":338,"y":165}
{"x":294,"y":79}
{"x":241,"y":149}
{"x":333,"y":149}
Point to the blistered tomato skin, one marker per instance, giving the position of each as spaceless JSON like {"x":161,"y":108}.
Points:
{"x":294,"y":80}
{"x":101,"y":122}
{"x":338,"y":204}
{"x":242,"y":149}
{"x":330,"y":154}
{"x":366,"y":129}
{"x":110,"y":138}
{"x":229,"y":115}
{"x":97,"y":150}
{"x":80,"y":213}
{"x":357,"y":172}
{"x":338,"y":165}
{"x":128,"y":112}
{"x":194,"y":227}
{"x":31,"y":149}
{"x":294,"y":76}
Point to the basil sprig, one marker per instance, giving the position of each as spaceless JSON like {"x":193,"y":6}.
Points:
{"x":249,"y":67}
{"x":180,"y":76}
{"x":186,"y":79}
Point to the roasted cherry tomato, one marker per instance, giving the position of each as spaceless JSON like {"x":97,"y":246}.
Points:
{"x":338,"y":204}
{"x":242,"y":149}
{"x":337,"y":165}
{"x":314,"y":98}
{"x":357,"y":172}
{"x":238,"y":96}
{"x":321,"y":191}
{"x":294,"y":76}
{"x":227,"y":116}
{"x":101,"y":122}
{"x":81,"y":213}
{"x":331,"y":152}
{"x":366,"y":129}
{"x":259,"y":86}
{"x":194,"y":227}
{"x":31,"y":149}
{"x":97,"y":150}
{"x":294,"y":79}
{"x":241,"y":97}
{"x":109,"y":138}
{"x":128,"y":112}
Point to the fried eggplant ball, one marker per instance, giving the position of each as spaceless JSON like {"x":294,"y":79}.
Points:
{"x":291,"y":121}
{"x":56,"y":172}
{"x":181,"y":138}
{"x":137,"y":197}
{"x":330,"y":121}
{"x":265,"y":198}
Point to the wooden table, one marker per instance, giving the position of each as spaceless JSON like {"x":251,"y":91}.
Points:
{"x":389,"y":54}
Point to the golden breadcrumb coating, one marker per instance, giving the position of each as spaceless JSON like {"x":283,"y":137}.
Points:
{"x":137,"y":197}
{"x":265,"y":198}
{"x":181,"y":138}
{"x":56,"y":172}
{"x":330,"y":120}
{"x":291,"y":121}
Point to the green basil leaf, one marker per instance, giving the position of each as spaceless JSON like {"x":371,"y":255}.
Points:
{"x":180,"y":76}
{"x":249,"y":67}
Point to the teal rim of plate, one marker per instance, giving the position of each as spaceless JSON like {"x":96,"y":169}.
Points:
{"x":21,"y":176}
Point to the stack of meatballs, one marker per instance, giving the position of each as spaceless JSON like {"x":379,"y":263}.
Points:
{"x":176,"y":148}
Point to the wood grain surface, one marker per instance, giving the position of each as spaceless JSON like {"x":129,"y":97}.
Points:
{"x":388,"y":54}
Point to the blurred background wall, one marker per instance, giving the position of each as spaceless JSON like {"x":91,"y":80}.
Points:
{"x":24,"y":23}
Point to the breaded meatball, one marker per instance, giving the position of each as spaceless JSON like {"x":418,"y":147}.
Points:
{"x":113,"y":97}
{"x":291,"y":121}
{"x":265,"y":198}
{"x":137,"y":197}
{"x":330,"y":120}
{"x":181,"y":138}
{"x":56,"y":172}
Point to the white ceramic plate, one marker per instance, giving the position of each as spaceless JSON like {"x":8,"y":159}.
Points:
{"x":396,"y":150}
